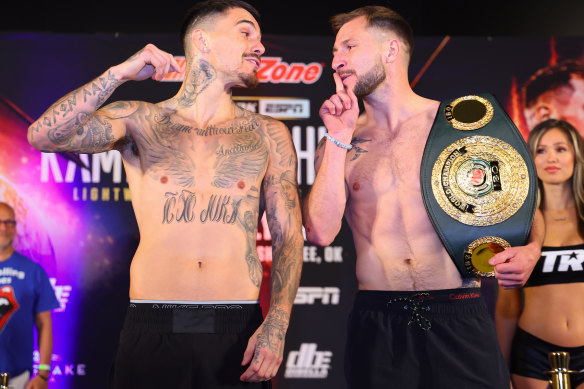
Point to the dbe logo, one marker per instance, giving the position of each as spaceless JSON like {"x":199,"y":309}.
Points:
{"x":309,"y":294}
{"x":308,"y":363}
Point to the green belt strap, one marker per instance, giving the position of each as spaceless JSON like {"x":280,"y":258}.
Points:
{"x":471,"y":213}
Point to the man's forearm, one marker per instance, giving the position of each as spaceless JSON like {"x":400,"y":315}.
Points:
{"x":45,"y":337}
{"x":285,"y":278}
{"x":67,"y":116}
{"x":286,"y":269}
{"x":327,"y":198}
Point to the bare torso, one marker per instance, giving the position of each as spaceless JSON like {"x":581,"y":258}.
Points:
{"x":196,"y":196}
{"x":555,"y":312}
{"x":396,"y":244}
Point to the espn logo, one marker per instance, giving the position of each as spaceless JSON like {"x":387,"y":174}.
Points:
{"x":285,"y":108}
{"x":277,"y":107}
{"x":307,"y":295}
{"x":308,"y":363}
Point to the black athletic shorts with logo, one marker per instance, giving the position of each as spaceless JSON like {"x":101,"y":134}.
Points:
{"x":423,"y":340}
{"x":185,"y":347}
{"x":529,"y":358}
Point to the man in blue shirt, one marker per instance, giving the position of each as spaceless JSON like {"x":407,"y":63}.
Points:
{"x":26,"y":297}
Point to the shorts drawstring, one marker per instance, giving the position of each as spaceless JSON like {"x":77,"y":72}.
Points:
{"x":416,"y":309}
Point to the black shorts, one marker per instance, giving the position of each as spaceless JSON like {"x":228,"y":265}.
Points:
{"x":193,"y":346}
{"x":435,"y":339}
{"x":529,"y":358}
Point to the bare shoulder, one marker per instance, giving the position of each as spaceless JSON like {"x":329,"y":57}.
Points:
{"x":123,"y":109}
{"x":271,"y":126}
{"x":430,"y":108}
{"x":278,"y":138}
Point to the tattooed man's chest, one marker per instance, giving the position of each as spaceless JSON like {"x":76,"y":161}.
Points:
{"x":221,"y":160}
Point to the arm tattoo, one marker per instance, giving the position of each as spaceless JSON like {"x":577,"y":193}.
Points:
{"x":282,"y":146}
{"x":273,"y":332}
{"x":249,"y":222}
{"x":254,"y":266}
{"x":65,"y":119}
{"x":95,"y":135}
{"x":285,"y":277}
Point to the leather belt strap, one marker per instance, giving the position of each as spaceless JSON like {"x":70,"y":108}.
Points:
{"x":478,"y":181}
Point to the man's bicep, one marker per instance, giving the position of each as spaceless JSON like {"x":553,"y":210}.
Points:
{"x":282,"y":150}
{"x":280,"y":190}
{"x":107,"y":126}
{"x":87,"y":132}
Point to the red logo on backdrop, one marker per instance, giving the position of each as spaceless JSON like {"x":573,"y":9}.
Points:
{"x":8,"y":304}
{"x":272,"y":69}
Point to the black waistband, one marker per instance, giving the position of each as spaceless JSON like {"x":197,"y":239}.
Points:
{"x":525,"y":336}
{"x":439,"y":301}
{"x":192,"y":318}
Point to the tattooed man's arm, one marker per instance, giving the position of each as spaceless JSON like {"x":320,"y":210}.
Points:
{"x":74,"y":123}
{"x":280,"y":193}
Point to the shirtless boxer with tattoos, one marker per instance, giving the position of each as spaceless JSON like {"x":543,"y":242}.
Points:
{"x":201,"y":172}
{"x":416,"y":322}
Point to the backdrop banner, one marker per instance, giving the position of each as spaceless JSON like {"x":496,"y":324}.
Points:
{"x":74,"y":210}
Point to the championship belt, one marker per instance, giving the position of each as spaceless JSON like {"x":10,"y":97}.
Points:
{"x":478,"y":182}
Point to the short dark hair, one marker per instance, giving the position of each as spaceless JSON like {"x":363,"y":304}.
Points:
{"x":550,"y":78}
{"x":380,"y":17}
{"x":204,"y":9}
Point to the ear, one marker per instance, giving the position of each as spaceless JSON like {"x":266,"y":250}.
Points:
{"x":200,"y":41}
{"x":392,"y":49}
{"x":543,"y":112}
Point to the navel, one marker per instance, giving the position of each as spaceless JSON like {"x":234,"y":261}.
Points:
{"x":164,"y":179}
{"x":241,"y":184}
{"x":356,"y":186}
{"x":199,"y":263}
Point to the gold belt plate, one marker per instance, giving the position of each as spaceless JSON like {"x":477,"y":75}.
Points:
{"x":480,"y":180}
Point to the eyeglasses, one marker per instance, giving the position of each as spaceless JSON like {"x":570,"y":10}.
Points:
{"x":8,"y":223}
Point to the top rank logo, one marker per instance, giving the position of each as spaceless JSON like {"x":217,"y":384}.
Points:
{"x":272,"y":69}
{"x":563,"y":261}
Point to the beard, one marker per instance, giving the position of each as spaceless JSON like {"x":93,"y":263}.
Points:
{"x":249,"y":80}
{"x":370,"y":81}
